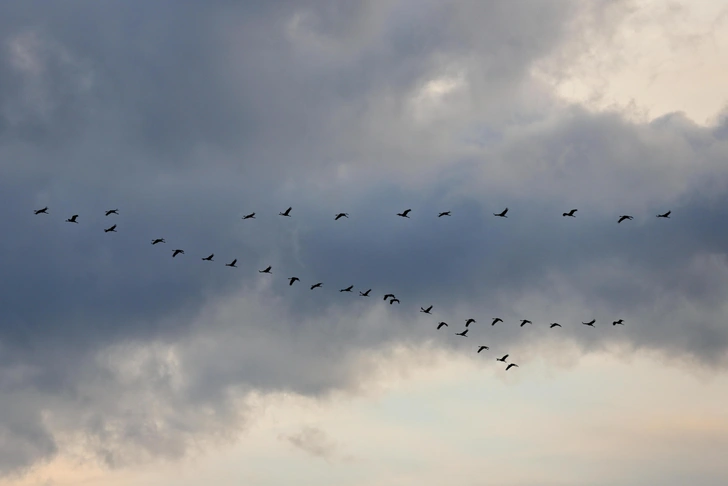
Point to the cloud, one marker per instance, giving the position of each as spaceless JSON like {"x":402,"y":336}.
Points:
{"x":313,"y":441}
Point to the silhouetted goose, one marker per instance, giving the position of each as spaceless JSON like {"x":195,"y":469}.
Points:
{"x":112,"y":211}
{"x":341,"y":215}
{"x":267,"y":270}
{"x":365,"y":294}
{"x":249,"y":216}
{"x":555,"y":324}
{"x":571,"y":213}
{"x":444,"y":213}
{"x":623,"y":217}
{"x":525,"y":321}
{"x":388,"y":296}
{"x":158,"y":240}
{"x":287,"y":212}
{"x":177,"y":252}
{"x":512,"y":365}
{"x":110,"y":229}
{"x":502,"y":214}
{"x":393,"y":301}
{"x":292,"y":279}
{"x":463,"y":334}
{"x":347,"y":289}
{"x":404,"y":213}
{"x":41,"y":211}
{"x":232,"y":263}
{"x":72,"y":219}
{"x":470,"y":321}
{"x":442,"y":324}
{"x":495,"y":320}
{"x":619,"y":322}
{"x":482,"y":348}
{"x":503,"y":359}
{"x":666,"y":215}
{"x":209,"y":259}
{"x":426,"y":311}
{"x":316,"y":285}
{"x":590,"y":323}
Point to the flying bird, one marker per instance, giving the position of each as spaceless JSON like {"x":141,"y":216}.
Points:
{"x":232,"y":263}
{"x":347,"y":289}
{"x":444,"y":213}
{"x":287,"y":212}
{"x":112,"y":211}
{"x":158,"y":240}
{"x":404,"y":213}
{"x":503,"y":359}
{"x":666,"y":215}
{"x":501,"y":214}
{"x":72,"y":219}
{"x":388,"y":296}
{"x":463,"y":334}
{"x":341,"y":215}
{"x":316,"y":285}
{"x":469,"y":321}
{"x":249,"y":216}
{"x":623,"y":217}
{"x":619,"y":322}
{"x":365,"y":294}
{"x":393,"y":301}
{"x":525,"y":321}
{"x":267,"y":270}
{"x":177,"y":252}
{"x":110,"y":229}
{"x":441,"y":324}
{"x":209,"y":259}
{"x":482,"y":348}
{"x":292,"y":279}
{"x":555,"y":324}
{"x":590,"y":323}
{"x":495,"y":320}
{"x":512,"y":365}
{"x":426,"y":311}
{"x":41,"y":211}
{"x":571,"y":213}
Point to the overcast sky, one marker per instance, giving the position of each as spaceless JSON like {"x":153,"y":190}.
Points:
{"x":120,"y":365}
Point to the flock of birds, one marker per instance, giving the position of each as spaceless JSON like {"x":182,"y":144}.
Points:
{"x":387,"y":297}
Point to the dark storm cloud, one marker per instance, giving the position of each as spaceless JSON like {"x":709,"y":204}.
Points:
{"x":188,"y":115}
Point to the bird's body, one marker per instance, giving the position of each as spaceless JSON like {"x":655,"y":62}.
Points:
{"x":316,"y":285}
{"x":110,"y":229}
{"x":158,"y":240}
{"x":72,"y":219}
{"x":496,"y":320}
{"x":209,"y":258}
{"x":624,"y":217}
{"x":482,"y":348}
{"x":619,"y":322}
{"x":502,"y":214}
{"x":232,"y":263}
{"x":267,"y":270}
{"x":470,"y":321}
{"x":41,"y":211}
{"x":555,"y":324}
{"x":590,"y":323}
{"x":503,"y":359}
{"x":292,"y":279}
{"x":512,"y":365}
{"x":365,"y":294}
{"x":388,"y":296}
{"x":347,"y":289}
{"x":525,"y":321}
{"x":426,"y":311}
{"x":249,"y":216}
{"x":177,"y":252}
{"x":394,"y":300}
{"x":441,"y":324}
{"x":666,"y":215}
{"x":404,"y":213}
{"x":463,"y":334}
{"x":341,"y":215}
{"x":571,"y":213}
{"x":287,"y":212}
{"x":112,"y":211}
{"x":444,"y":213}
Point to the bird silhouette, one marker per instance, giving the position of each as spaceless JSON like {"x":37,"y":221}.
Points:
{"x":232,"y":263}
{"x":590,"y":323}
{"x":267,"y":270}
{"x":341,"y":215}
{"x":623,"y":217}
{"x":292,"y":279}
{"x":347,"y":289}
{"x":470,"y":321}
{"x":110,"y":229}
{"x":365,"y":294}
{"x":555,"y":324}
{"x":495,"y":320}
{"x":177,"y":252}
{"x":287,"y":212}
{"x":441,"y":324}
{"x":502,"y":214}
{"x":316,"y":285}
{"x":666,"y":215}
{"x":41,"y":211}
{"x":444,"y":213}
{"x":209,"y":258}
{"x":463,"y":334}
{"x":525,"y":321}
{"x":249,"y":216}
{"x":388,"y":296}
{"x":512,"y":365}
{"x":482,"y":348}
{"x":619,"y":322}
{"x":393,"y":301}
{"x":158,"y":240}
{"x":404,"y":213}
{"x":571,"y":213}
{"x":503,"y":359}
{"x":426,"y":311}
{"x":72,"y":219}
{"x":112,"y":211}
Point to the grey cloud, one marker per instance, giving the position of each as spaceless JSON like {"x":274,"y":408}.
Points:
{"x":313,"y":441}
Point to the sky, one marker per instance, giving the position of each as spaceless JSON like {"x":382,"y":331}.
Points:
{"x":120,"y":365}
